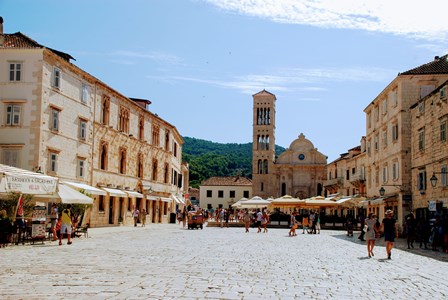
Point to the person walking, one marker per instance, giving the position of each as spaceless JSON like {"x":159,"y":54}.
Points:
{"x":135,"y":214}
{"x":259,"y":219}
{"x":246,"y":219}
{"x":390,"y":231}
{"x":66,"y":224}
{"x":410,"y":227}
{"x":305,"y":223}
{"x":362,"y":223}
{"x":265,"y":221}
{"x":54,"y":220}
{"x":184,"y":217}
{"x":143,"y":217}
{"x":317,"y":222}
{"x":370,"y":235}
{"x":312,"y":223}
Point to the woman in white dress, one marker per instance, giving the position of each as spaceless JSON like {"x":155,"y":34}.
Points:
{"x":370,"y":234}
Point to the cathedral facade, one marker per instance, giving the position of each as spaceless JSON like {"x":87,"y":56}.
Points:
{"x":299,"y":171}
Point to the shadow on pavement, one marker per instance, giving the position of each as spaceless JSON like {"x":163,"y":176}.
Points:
{"x":400,"y":244}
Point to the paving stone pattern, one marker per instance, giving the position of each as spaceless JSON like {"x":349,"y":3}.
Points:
{"x":164,"y":261}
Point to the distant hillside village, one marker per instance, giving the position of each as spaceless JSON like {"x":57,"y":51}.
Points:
{"x":61,"y":121}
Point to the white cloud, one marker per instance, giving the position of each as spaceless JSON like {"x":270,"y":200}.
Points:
{"x":417,"y":19}
{"x":290,"y":80}
{"x":156,"y":56}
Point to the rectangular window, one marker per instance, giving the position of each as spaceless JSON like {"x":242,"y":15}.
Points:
{"x":85,"y":93}
{"x":101,"y":201}
{"x":421,"y":139}
{"x":385,"y":174}
{"x":347,"y":175}
{"x":232,"y":194}
{"x":81,"y":167}
{"x":421,"y":107}
{"x":377,"y":145}
{"x":54,"y":119}
{"x":395,"y":171}
{"x":56,"y":83}
{"x":209,"y":193}
{"x":443,"y":92}
{"x":385,"y":138}
{"x":443,"y":170}
{"x":394,"y":98}
{"x":13,"y":114}
{"x":220,"y":194}
{"x":421,"y":181}
{"x":10,"y":157}
{"x":443,"y":131}
{"x":395,"y":132}
{"x":246,"y":194}
{"x":82,"y":129}
{"x":53,"y":162}
{"x":425,"y":90}
{"x":15,"y":71}
{"x":384,"y":106}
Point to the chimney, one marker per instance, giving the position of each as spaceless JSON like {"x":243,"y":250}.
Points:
{"x":436,"y":57}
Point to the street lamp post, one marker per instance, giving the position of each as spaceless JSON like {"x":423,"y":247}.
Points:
{"x":383,"y":191}
{"x":434,"y":179}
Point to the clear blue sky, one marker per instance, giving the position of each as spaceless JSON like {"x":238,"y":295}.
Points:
{"x":200,"y":62}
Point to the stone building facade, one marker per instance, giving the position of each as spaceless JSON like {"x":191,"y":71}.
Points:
{"x":429,"y":149}
{"x":299,"y":171}
{"x":346,"y":175}
{"x":389,"y":135}
{"x":60,"y":120}
{"x":217,"y":192}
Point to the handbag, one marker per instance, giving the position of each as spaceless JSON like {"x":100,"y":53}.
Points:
{"x":366,"y":228}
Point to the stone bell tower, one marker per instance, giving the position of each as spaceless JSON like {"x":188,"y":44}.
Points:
{"x":263,"y":144}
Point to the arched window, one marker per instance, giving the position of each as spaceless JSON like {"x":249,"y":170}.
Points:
{"x":122,"y":161}
{"x":105,"y":110}
{"x":154,"y":169}
{"x":141,"y":128}
{"x":103,"y":155}
{"x":265,"y":163}
{"x":260,"y":167}
{"x":140,"y":165}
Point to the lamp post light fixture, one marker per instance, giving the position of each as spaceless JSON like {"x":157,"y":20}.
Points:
{"x":383,"y":191}
{"x":434,"y":179}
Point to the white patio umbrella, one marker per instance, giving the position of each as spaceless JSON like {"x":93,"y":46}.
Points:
{"x":239,"y":202}
{"x":287,"y":200}
{"x":255,"y":202}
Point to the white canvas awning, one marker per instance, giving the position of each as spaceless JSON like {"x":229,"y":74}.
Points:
{"x":178,"y":200}
{"x":134,"y":194}
{"x":65,"y":194}
{"x":82,"y":186}
{"x":115,"y":192}
{"x":158,"y":198}
{"x":26,"y":182}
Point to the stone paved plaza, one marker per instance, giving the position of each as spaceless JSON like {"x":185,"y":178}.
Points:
{"x":164,"y":261}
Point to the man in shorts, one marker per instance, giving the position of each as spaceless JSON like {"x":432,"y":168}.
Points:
{"x":390,"y":231}
{"x":66,"y":224}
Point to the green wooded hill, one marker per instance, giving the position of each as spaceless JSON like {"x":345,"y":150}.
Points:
{"x":207,"y":159}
